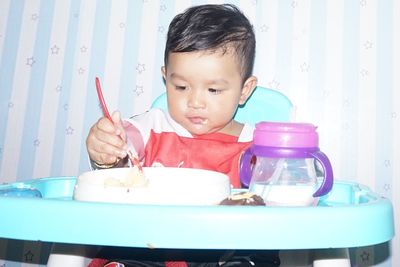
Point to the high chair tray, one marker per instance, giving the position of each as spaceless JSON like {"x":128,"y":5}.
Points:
{"x":43,"y":209}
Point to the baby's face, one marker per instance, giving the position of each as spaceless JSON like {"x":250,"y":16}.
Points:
{"x":204,"y":91}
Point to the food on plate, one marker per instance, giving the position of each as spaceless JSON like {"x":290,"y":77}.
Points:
{"x":134,"y":178}
{"x":243,"y":199}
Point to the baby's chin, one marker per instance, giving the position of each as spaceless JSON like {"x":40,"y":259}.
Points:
{"x":195,"y":126}
{"x":198,"y":130}
{"x":198,"y":126}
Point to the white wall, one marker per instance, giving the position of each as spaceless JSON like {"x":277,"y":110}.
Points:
{"x":337,"y":60}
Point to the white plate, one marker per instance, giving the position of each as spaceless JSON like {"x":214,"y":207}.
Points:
{"x":166,"y":186}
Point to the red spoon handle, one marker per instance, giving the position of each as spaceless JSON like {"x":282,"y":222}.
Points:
{"x":133,"y":159}
{"x":101,"y":99}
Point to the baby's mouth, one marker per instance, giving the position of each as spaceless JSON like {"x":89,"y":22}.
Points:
{"x":197,"y":120}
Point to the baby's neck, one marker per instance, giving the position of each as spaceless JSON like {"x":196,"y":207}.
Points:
{"x":234,"y":128}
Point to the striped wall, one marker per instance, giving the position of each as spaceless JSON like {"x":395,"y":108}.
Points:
{"x":338,"y":60}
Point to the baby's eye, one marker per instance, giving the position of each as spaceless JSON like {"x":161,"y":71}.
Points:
{"x":214,"y":91}
{"x":181,"y":88}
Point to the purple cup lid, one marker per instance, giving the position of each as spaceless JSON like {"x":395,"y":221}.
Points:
{"x":285,"y":134}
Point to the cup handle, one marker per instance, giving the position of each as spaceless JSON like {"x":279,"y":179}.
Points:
{"x":245,"y":168}
{"x":327,"y":183}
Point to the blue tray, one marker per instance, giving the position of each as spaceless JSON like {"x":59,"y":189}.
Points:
{"x":43,"y":209}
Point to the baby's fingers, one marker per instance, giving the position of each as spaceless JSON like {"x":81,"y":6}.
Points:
{"x":105,"y":125}
{"x":117,"y":121}
{"x":110,"y":144}
{"x":103,"y":146}
{"x":105,"y":155}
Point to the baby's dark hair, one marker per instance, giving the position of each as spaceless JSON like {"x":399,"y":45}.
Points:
{"x":210,"y":28}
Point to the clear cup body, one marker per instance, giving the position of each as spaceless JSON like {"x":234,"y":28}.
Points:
{"x":284,"y":181}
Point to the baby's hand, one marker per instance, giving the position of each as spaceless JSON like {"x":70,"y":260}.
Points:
{"x":106,"y":140}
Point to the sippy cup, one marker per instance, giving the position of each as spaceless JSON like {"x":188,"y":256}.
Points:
{"x":280,"y":166}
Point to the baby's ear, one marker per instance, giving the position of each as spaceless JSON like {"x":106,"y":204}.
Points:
{"x":248,"y":87}
{"x":164,"y":75}
{"x":163,"y":72}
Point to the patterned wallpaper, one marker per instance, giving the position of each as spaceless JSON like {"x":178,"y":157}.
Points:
{"x":337,"y":60}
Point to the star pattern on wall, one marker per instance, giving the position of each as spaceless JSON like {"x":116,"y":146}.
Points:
{"x":163,"y":8}
{"x":138,"y":90}
{"x":34,"y":17}
{"x":36,"y":143}
{"x":30,"y":61}
{"x":273,"y":84}
{"x":83,"y":49}
{"x":65,"y":107}
{"x":58,"y":88}
{"x":387,"y":163}
{"x":368,"y":45}
{"x":161,"y":29}
{"x":363,"y":3}
{"x":346,"y":103}
{"x":264,"y":28}
{"x":122,"y":25}
{"x":387,"y":187}
{"x":54,"y":50}
{"x":140,"y":68}
{"x":81,"y":71}
{"x":326,"y":92}
{"x":69,"y":131}
{"x":364,"y":72}
{"x":10,"y":104}
{"x":29,"y":256}
{"x":304,"y":67}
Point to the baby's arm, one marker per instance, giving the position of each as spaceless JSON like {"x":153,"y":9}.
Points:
{"x":106,"y":143}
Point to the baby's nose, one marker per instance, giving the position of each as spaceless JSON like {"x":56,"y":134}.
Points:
{"x":196,"y":100}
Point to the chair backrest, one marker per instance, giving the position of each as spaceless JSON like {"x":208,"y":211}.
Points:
{"x":263,"y":105}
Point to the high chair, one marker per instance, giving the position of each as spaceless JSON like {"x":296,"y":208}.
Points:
{"x":328,"y":229}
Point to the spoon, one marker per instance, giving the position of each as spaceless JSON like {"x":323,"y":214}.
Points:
{"x":134,"y":160}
